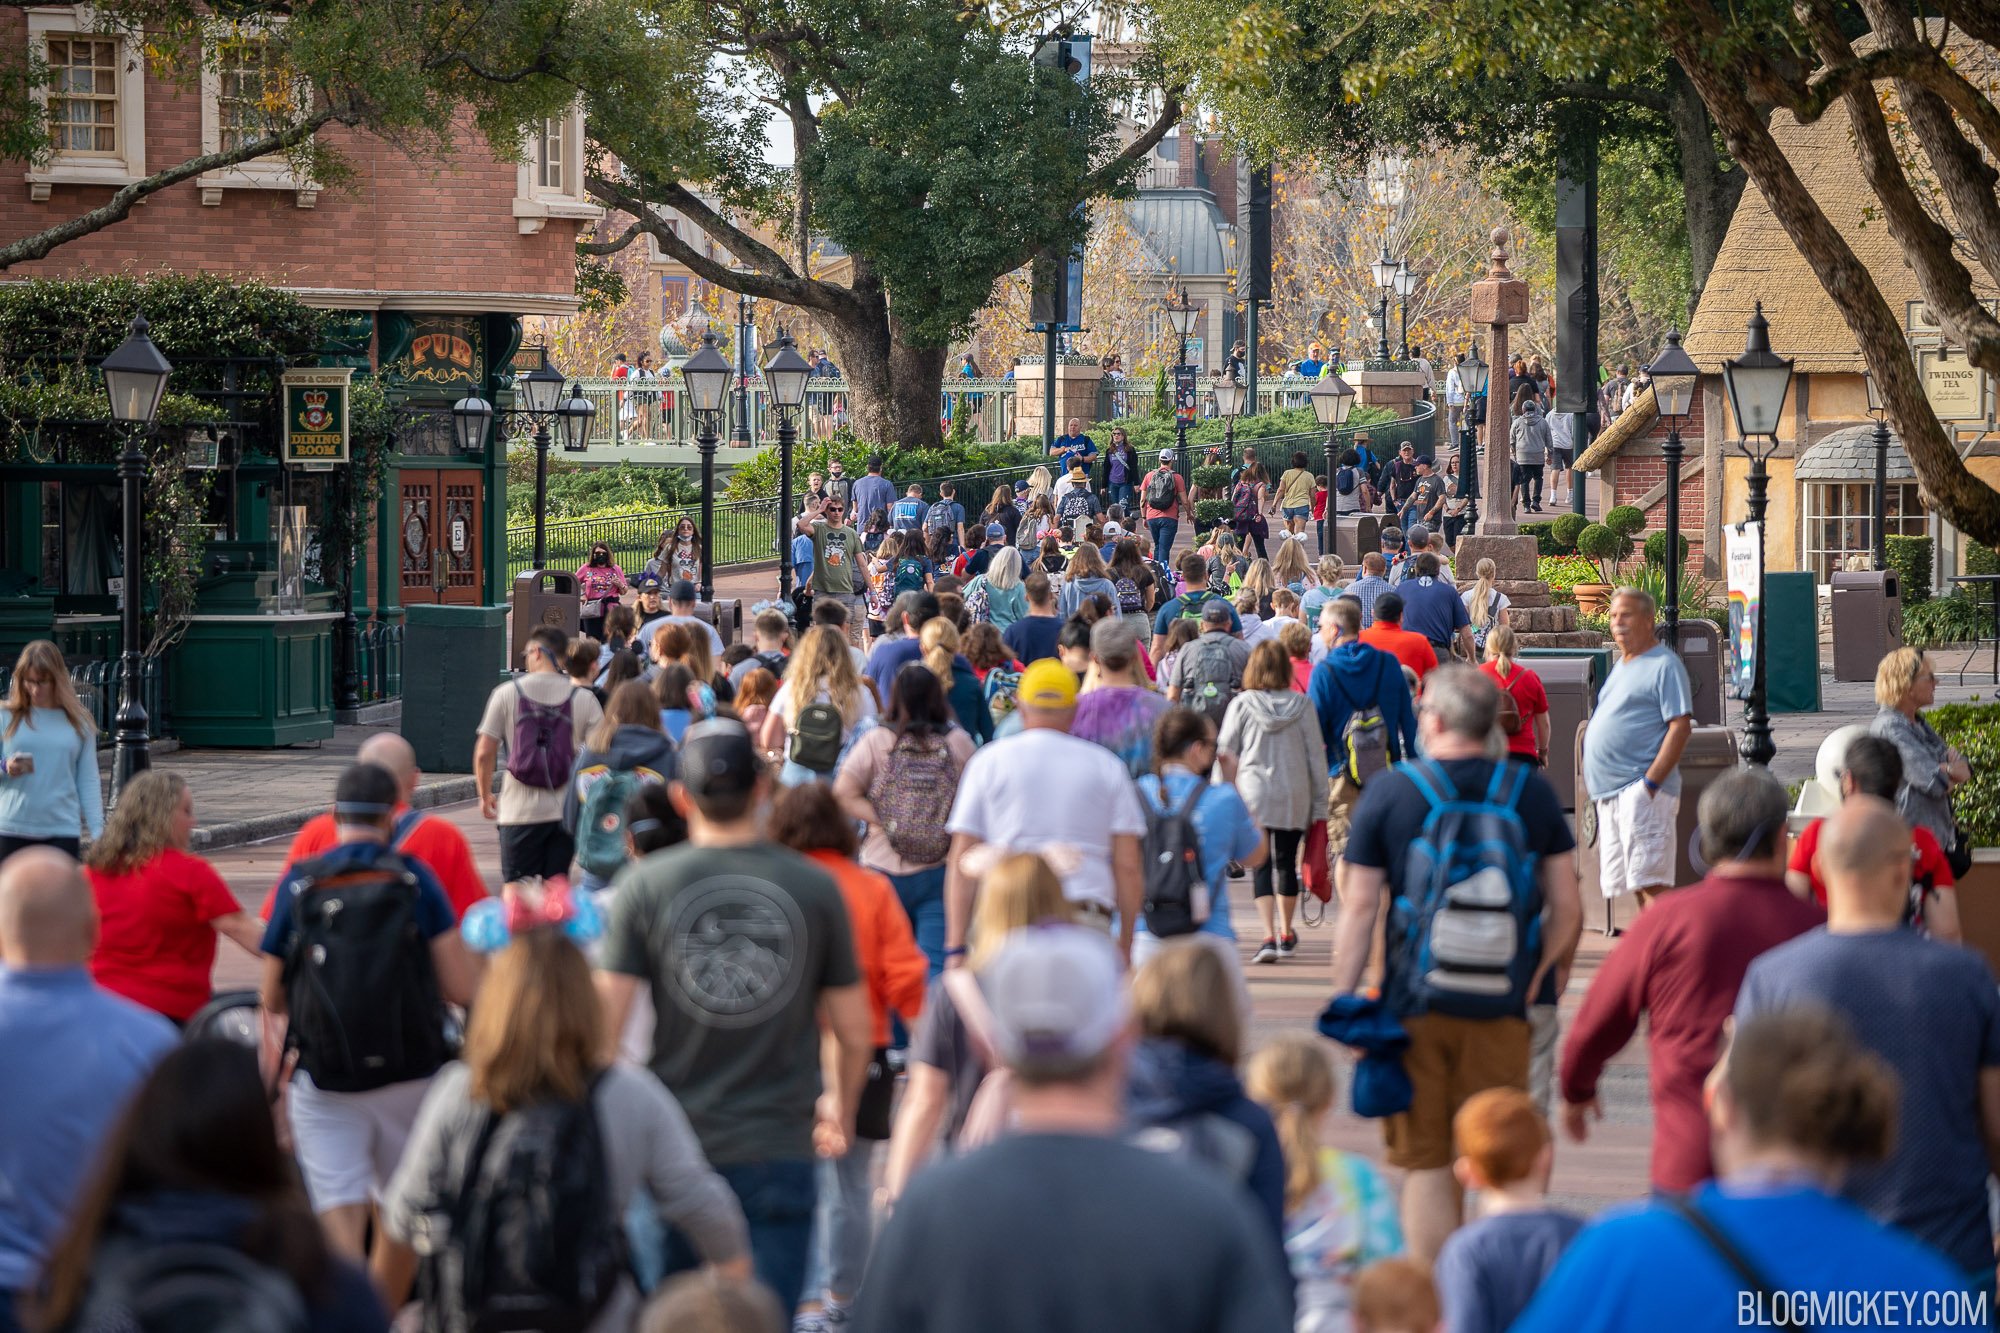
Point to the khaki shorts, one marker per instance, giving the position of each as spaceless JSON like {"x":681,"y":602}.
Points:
{"x":1450,"y":1059}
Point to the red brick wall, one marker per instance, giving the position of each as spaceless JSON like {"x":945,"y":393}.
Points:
{"x":1640,"y":467}
{"x":396,"y":225}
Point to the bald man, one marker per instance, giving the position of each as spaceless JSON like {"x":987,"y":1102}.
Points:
{"x":427,"y":838}
{"x":71,"y":1054}
{"x":1929,"y":1009}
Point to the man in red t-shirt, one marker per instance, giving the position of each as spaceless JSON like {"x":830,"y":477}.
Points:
{"x":1163,"y":520}
{"x":1413,"y":650}
{"x":435,"y":842}
{"x":1679,"y":967}
{"x":1524,"y":687}
{"x":1874,"y":767}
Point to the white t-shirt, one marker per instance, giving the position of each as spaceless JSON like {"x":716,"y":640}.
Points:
{"x":1499,"y":605}
{"x":520,"y":803}
{"x":1269,"y":629}
{"x":1041,"y":788}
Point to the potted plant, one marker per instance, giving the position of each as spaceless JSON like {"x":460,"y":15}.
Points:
{"x":1565,"y":531}
{"x":1603,"y":548}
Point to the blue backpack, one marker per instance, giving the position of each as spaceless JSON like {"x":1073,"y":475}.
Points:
{"x":1465,"y":934}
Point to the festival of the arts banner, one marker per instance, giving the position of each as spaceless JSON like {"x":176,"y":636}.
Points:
{"x":1743,"y":544}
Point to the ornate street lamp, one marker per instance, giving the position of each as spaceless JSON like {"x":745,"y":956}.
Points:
{"x":1674,"y":374}
{"x":1472,"y":374}
{"x":576,"y":412}
{"x":1406,"y":286}
{"x":707,"y":374}
{"x":1384,"y":270}
{"x":1228,"y":393}
{"x":1880,"y":411}
{"x":1757,"y":383}
{"x":1332,"y":399}
{"x":1182,"y":318}
{"x":786,"y":374}
{"x":135,"y":380}
{"x":739,"y":431}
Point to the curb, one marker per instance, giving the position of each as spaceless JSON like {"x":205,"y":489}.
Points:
{"x":237,"y":832}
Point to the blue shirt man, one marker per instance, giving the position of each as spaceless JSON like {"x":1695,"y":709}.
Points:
{"x":1433,"y":608}
{"x":1642,"y":697}
{"x":1073,"y":445}
{"x":872,"y":493}
{"x":802,"y":560}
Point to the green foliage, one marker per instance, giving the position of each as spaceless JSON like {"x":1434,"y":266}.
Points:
{"x":1604,"y":548}
{"x":1163,"y":396}
{"x":1974,"y":729}
{"x":1211,"y":513}
{"x":580,"y":491}
{"x":50,"y":322}
{"x":1564,"y":572}
{"x":1211,"y":476}
{"x":600,"y":285}
{"x":1953,"y":618}
{"x":1697,"y":593}
{"x":1626,"y":520}
{"x":1656,"y":549}
{"x":1910,"y":557}
{"x":1566,"y":529}
{"x":757,"y":476}
{"x":1981,"y":559}
{"x":1544,"y":535}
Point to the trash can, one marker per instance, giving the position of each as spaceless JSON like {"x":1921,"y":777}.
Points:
{"x":1867,"y":621}
{"x":1711,"y":752}
{"x":1599,"y":659}
{"x":451,"y":655}
{"x":541,"y":597}
{"x":1570,"y":683}
{"x":1355,"y":535}
{"x":726,"y":614}
{"x":1701,"y":654}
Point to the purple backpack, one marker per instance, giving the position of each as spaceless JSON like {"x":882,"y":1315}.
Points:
{"x":542,"y":751}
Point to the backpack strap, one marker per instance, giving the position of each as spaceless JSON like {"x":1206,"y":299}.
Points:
{"x":1752,"y":1278}
{"x":1430,"y":779}
{"x":1514,"y":777}
{"x":1194,"y":795}
{"x":406,"y":824}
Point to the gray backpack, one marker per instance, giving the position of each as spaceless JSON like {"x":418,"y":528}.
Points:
{"x":1211,"y":677}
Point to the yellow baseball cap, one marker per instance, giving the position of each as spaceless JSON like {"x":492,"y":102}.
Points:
{"x":1046,"y":684}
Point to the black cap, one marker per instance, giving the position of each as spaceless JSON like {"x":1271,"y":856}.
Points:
{"x":646,"y":583}
{"x":364,"y":794}
{"x":682,"y":591}
{"x":718,"y":758}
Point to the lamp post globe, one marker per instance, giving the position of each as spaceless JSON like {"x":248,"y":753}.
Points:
{"x":1384,"y":270}
{"x":785,"y":374}
{"x":135,"y":380}
{"x":577,"y":413}
{"x":470,"y":417}
{"x":1674,"y":374}
{"x":1757,"y":383}
{"x":541,"y":389}
{"x":707,"y":374}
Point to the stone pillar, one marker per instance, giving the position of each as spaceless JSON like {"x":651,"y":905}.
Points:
{"x":1499,"y":300}
{"x":1397,"y":390}
{"x":1076,"y":394}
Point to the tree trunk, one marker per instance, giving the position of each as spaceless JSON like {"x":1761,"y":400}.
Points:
{"x":893,"y":389}
{"x":1711,"y":190}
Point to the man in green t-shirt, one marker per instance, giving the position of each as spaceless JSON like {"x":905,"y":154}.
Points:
{"x":744,"y":947}
{"x":836,"y":575}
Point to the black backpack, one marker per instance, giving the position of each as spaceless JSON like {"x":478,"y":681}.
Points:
{"x":359,"y":985}
{"x":533,"y":1241}
{"x":1177,"y":898}
{"x":186,"y":1287}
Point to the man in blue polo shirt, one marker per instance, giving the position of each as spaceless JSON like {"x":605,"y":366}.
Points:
{"x":1433,"y":608}
{"x":1073,"y":446}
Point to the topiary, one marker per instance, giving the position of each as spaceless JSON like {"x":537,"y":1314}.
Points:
{"x":1656,"y":549}
{"x":1627,"y":521}
{"x":1212,"y":477}
{"x":1211,"y":513}
{"x":1565,"y":531}
{"x":1604,"y":548}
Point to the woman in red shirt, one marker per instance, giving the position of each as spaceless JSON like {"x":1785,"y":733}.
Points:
{"x":1530,"y":739}
{"x":159,"y":906}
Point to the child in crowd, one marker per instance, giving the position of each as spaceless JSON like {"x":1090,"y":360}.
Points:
{"x":1179,"y":635}
{"x":1395,"y":1296}
{"x":1488,"y":1271}
{"x":1325,"y":582}
{"x":1297,"y":642}
{"x":1339,"y":1215}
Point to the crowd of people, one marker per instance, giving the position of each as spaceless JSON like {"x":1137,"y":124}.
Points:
{"x":882,"y":972}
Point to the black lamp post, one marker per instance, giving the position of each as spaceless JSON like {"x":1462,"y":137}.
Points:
{"x":739,"y":433}
{"x":1674,"y":374}
{"x":542,"y":400}
{"x":1406,"y":286}
{"x":1757,"y":382}
{"x":135,"y":380}
{"x":706,"y":375}
{"x":1384,"y":270}
{"x":1332,"y":399}
{"x":1182,"y":316}
{"x":785,"y":374}
{"x":1229,"y":392}
{"x":1879,"y":410}
{"x":1472,"y":374}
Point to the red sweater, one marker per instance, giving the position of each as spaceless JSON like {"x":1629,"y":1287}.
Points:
{"x":1680,"y":965}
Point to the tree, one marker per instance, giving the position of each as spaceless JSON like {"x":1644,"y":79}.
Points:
{"x":416,"y":72}
{"x":1123,"y":287}
{"x":929,"y":144}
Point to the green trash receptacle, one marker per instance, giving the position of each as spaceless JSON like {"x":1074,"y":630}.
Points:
{"x":1791,"y":642}
{"x":1599,"y":658}
{"x":450,"y":656}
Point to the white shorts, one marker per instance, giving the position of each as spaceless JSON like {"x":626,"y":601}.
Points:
{"x":348,"y":1143}
{"x":1635,"y":840}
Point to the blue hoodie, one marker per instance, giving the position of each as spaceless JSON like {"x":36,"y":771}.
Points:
{"x":1356,"y":675}
{"x":1169,"y":1083}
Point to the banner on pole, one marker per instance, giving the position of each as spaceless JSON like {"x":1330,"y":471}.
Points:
{"x":1743,"y":545}
{"x":1185,"y":394}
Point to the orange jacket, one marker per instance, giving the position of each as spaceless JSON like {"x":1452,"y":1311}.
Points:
{"x":884,"y":946}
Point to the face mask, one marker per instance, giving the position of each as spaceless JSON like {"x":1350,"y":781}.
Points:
{"x":600,"y":557}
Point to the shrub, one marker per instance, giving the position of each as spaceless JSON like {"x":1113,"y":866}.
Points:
{"x":1656,"y":549}
{"x":1544,"y":535}
{"x":1211,"y":513}
{"x":1564,"y":572}
{"x":1604,"y":548}
{"x":1697,"y":593}
{"x":1953,"y":618}
{"x":1163,"y":396}
{"x":1975,"y":730}
{"x":1981,"y":560}
{"x":1626,"y":520}
{"x":756,"y":477}
{"x":1911,"y":558}
{"x":578,"y":491}
{"x":1211,"y":477}
{"x":1566,"y":529}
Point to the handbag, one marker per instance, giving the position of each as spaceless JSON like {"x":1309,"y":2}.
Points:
{"x":1316,"y":870}
{"x":1959,"y":855}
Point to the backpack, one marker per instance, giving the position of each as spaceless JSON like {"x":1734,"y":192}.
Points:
{"x":148,"y":1286}
{"x":1479,"y":632}
{"x":1212,"y":678}
{"x":1365,"y":738}
{"x":359,"y":984}
{"x":991,"y":1112}
{"x":978,"y":602}
{"x":1160,"y":490}
{"x":532,"y":1239}
{"x":1464,"y":933}
{"x":600,"y":824}
{"x":909,"y":574}
{"x":938,"y":518}
{"x":773,"y":662}
{"x":1001,"y":684}
{"x":1192,"y":602}
{"x":1343,"y":481}
{"x":816,"y":737}
{"x":542,"y":750}
{"x":906,"y":514}
{"x":1244,"y":502}
{"x":912,"y":795}
{"x":1130,"y":603}
{"x":1075,"y":504}
{"x":1177,"y":893}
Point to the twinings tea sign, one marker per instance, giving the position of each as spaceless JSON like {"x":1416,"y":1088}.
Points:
{"x":316,"y":416}
{"x":1955,"y":387}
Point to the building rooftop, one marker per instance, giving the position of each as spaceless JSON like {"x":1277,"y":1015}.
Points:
{"x":1184,"y":230}
{"x":1849,"y":455}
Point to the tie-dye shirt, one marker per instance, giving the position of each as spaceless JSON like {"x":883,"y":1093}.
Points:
{"x":1121,"y":718}
{"x":1343,"y":1226}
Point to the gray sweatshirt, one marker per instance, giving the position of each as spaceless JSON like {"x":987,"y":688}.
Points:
{"x":1280,"y":757}
{"x":1530,"y":436}
{"x":648,"y":1145}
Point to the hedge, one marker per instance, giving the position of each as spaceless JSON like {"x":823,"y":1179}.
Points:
{"x":756,"y":477}
{"x":1953,"y":618}
{"x":1911,"y":558}
{"x":1975,"y":730}
{"x":576,"y":491}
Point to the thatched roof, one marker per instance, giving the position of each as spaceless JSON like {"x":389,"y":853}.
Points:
{"x":1758,"y":261}
{"x":1633,"y":422}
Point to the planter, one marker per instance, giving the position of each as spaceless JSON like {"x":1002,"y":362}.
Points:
{"x":1591,"y":598}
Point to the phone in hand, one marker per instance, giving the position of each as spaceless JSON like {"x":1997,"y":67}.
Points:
{"x":27,"y":763}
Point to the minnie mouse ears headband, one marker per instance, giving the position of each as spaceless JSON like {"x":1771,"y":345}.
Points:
{"x":531,"y":904}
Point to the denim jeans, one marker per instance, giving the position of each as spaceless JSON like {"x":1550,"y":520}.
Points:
{"x":922,"y":895}
{"x":1164,"y":531}
{"x":778,"y":1200}
{"x":1123,"y":494}
{"x":9,"y":1322}
{"x":844,"y":1227}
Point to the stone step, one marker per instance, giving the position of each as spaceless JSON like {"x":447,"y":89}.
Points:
{"x":1582,"y":638}
{"x":1541,"y":619}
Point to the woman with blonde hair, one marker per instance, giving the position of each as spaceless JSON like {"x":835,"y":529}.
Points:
{"x":1087,"y":577}
{"x":1326,"y":577}
{"x":1040,"y":483}
{"x":1905,"y":685}
{"x":1339,"y":1215}
{"x":947,"y":1062}
{"x":159,"y":906}
{"x":1485,"y":604}
{"x":536,"y":1051}
{"x":1288,"y":566}
{"x":1006,"y":599}
{"x":1527,"y":725}
{"x":1259,"y":580}
{"x":49,"y":792}
{"x":960,"y":682}
{"x":822,"y":671}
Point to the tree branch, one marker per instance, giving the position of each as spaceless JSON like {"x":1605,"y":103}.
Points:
{"x":610,"y":247}
{"x":1106,"y":177}
{"x":119,"y":206}
{"x":1652,"y":99}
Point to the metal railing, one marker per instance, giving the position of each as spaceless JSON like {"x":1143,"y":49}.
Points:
{"x":378,"y":657}
{"x":97,"y":686}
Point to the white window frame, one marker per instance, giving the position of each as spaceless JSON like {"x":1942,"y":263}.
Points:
{"x":1912,"y":521}
{"x":271,"y":172}
{"x":535,"y":203}
{"x":128,"y":163}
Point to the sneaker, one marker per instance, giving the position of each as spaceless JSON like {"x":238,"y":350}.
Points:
{"x":829,"y":1318}
{"x":1287,"y":945}
{"x":1236,"y":870}
{"x":1267,"y":952}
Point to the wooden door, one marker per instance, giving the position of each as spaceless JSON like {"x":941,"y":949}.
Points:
{"x":439,"y":536}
